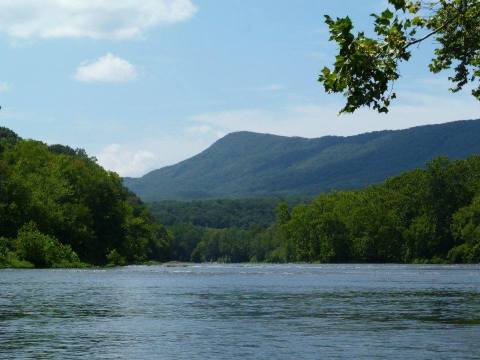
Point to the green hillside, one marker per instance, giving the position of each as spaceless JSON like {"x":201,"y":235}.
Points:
{"x":246,"y":164}
{"x":59,"y":208}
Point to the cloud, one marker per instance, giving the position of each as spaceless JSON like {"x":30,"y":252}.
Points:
{"x":132,"y":159}
{"x":5,"y":87}
{"x":108,"y":68}
{"x":312,"y":120}
{"x":198,"y":129}
{"x":124,"y":160}
{"x":96,"y":19}
{"x":272,"y":87}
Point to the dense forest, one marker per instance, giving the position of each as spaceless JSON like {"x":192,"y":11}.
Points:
{"x":220,"y":213}
{"x":59,"y":208}
{"x":430,"y":215}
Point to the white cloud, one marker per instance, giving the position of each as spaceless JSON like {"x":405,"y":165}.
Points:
{"x":198,"y":129}
{"x":97,"y":19}
{"x":272,"y":87}
{"x":319,"y":120}
{"x":108,"y":68}
{"x":5,"y":87}
{"x":124,"y":160}
{"x":130,"y":159}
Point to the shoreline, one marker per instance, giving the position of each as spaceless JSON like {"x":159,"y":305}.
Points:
{"x":180,"y":264}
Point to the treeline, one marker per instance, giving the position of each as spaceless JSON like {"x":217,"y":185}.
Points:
{"x":220,"y":213}
{"x":58,"y":207}
{"x":430,"y":215}
{"x":226,"y":230}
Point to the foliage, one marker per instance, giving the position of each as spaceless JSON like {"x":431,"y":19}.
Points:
{"x":430,"y":215}
{"x":466,"y":233}
{"x":418,"y":216}
{"x":59,"y":208}
{"x":115,"y":259}
{"x":260,"y":166}
{"x":7,"y":137}
{"x":366,"y":67}
{"x":220,"y":213}
{"x":42,"y":250}
{"x":239,"y":245}
{"x":75,"y":205}
{"x":3,"y":252}
{"x":185,"y":239}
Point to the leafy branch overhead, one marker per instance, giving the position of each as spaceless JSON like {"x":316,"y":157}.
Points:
{"x":366,"y":67}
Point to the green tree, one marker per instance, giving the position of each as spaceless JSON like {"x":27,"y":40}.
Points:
{"x":185,"y":240}
{"x":282,"y":212}
{"x":4,"y":248}
{"x":43,"y":250}
{"x":73,"y":202}
{"x":366,"y":67}
{"x":115,"y":259}
{"x":466,"y":232}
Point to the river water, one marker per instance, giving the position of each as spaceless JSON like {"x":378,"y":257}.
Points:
{"x":242,"y":312}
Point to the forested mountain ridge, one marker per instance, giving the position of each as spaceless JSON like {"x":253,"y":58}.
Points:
{"x":246,"y":164}
{"x":59,"y":208}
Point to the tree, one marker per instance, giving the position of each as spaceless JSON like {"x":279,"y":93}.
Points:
{"x":76,"y":207}
{"x":466,"y":231}
{"x":43,"y":250}
{"x":366,"y":67}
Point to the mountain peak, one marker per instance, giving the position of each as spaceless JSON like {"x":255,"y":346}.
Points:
{"x":248,"y":164}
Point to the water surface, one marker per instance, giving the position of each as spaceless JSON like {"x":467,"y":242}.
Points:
{"x":242,"y":312}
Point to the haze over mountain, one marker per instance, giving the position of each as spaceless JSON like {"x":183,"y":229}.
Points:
{"x":246,"y":164}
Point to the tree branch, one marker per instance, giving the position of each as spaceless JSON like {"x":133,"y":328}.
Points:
{"x":424,"y":38}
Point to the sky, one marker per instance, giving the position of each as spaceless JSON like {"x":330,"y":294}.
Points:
{"x":141,"y":84}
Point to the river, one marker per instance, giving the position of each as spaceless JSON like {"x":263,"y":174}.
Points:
{"x":242,"y":312}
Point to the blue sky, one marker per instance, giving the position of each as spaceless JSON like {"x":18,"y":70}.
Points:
{"x":146,"y":83}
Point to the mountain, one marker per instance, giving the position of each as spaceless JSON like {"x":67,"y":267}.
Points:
{"x":246,"y":164}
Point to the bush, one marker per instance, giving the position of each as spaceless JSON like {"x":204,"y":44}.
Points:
{"x":42,"y":250}
{"x":465,"y":253}
{"x":278,"y":255}
{"x":13,"y":262}
{"x":458,"y":254}
{"x":3,"y":252}
{"x":115,"y":259}
{"x":474,"y":254}
{"x":8,"y":258}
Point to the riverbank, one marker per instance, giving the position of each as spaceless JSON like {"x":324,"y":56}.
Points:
{"x":22,"y":264}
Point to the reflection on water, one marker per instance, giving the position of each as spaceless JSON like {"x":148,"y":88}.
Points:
{"x":242,"y":312}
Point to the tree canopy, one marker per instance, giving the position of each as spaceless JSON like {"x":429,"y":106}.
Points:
{"x":366,"y":67}
{"x":58,"y":207}
{"x":430,"y":215}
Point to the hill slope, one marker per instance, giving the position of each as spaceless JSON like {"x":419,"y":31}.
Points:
{"x":246,"y":164}
{"x":59,"y":208}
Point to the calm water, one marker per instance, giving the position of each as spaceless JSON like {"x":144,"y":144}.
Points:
{"x":242,"y":312}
